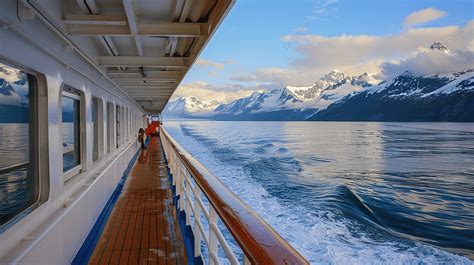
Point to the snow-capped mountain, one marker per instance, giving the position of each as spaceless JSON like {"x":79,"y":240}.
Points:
{"x":14,"y":101}
{"x":329,"y":88}
{"x":438,"y":46}
{"x":5,"y":88}
{"x":447,"y":97}
{"x":189,"y":106}
{"x":336,"y":96}
{"x":12,"y":93}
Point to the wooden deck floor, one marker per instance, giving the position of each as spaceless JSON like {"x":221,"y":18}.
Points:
{"x":142,"y":228}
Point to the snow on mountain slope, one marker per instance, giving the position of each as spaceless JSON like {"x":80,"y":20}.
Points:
{"x":464,"y":81}
{"x":406,"y":84}
{"x":447,"y":97}
{"x":188,"y":106}
{"x":331,"y":87}
{"x":8,"y":95}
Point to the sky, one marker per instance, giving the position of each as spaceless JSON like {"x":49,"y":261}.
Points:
{"x":267,"y":44}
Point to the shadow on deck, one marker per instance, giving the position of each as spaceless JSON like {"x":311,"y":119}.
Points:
{"x":143,"y":228}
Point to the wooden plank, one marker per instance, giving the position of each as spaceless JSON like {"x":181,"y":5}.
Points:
{"x":138,"y":231}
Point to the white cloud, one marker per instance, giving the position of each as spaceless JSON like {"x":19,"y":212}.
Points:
{"x":208,"y":92}
{"x":212,"y":73}
{"x":9,"y":74}
{"x":273,"y":75}
{"x":209,"y":63}
{"x":301,"y":29}
{"x":427,"y":63}
{"x":322,"y":9}
{"x":220,"y":92}
{"x":356,"y":54}
{"x":423,"y":16}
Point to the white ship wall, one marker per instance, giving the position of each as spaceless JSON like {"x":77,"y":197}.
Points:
{"x":54,"y":231}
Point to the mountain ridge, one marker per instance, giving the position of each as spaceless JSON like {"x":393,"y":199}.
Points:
{"x":337,"y":96}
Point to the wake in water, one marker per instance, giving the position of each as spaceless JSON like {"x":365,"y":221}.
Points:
{"x":326,"y":221}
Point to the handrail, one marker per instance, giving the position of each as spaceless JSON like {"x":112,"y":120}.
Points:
{"x":14,"y":167}
{"x":260,"y":243}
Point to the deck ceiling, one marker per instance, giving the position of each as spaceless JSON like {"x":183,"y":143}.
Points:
{"x":146,"y":46}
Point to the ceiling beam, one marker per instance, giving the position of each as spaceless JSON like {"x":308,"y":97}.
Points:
{"x":137,"y":61}
{"x":164,"y":91}
{"x":175,"y":75}
{"x":157,"y":85}
{"x":141,"y":84}
{"x":108,"y":20}
{"x":151,"y":98}
{"x":173,"y":29}
{"x":167,"y":89}
{"x":136,"y":88}
{"x":132,"y":22}
{"x":149,"y":94}
{"x":165,"y":29}
{"x":146,"y":79}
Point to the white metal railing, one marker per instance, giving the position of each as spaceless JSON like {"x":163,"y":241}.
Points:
{"x":258,"y":241}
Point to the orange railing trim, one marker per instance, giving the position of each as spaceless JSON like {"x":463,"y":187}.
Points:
{"x":258,"y":240}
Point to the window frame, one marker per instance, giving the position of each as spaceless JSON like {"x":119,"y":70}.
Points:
{"x":118,"y":126}
{"x":110,"y":127}
{"x":71,"y":92}
{"x":38,"y":149}
{"x":97,"y":135}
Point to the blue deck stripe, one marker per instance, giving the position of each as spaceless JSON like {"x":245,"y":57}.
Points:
{"x":88,"y":247}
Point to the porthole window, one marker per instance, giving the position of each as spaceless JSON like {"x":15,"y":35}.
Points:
{"x":71,"y":132}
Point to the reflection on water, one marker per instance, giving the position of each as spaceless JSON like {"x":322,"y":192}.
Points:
{"x":13,"y":151}
{"x":332,"y":188}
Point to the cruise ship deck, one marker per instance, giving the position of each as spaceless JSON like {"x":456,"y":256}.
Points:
{"x":83,"y":77}
{"x":142,"y":227}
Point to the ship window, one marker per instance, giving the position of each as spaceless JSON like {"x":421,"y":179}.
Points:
{"x":127,"y":112}
{"x":71,"y":131}
{"x":118,"y":118}
{"x":19,"y":170}
{"x":110,"y":124}
{"x":122,"y":125}
{"x":97,"y":121}
{"x":128,"y":123}
{"x":125,"y":122}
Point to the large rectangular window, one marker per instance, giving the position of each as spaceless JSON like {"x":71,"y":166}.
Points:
{"x":19,"y":177}
{"x":71,"y":131}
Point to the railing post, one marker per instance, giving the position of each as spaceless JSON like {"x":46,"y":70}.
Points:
{"x":197,"y":220}
{"x":179,"y":188}
{"x":187,"y":178}
{"x":212,"y":235}
{"x":182,"y":194}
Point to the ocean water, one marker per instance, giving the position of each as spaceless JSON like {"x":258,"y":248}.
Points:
{"x":14,"y":149}
{"x":358,"y":193}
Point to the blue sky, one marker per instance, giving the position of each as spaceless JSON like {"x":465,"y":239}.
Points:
{"x":252,"y":38}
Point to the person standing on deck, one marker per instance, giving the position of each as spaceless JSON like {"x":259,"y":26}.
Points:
{"x":142,"y":138}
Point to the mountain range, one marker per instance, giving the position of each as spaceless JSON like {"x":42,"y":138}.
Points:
{"x":13,"y":105}
{"x":337,"y":96}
